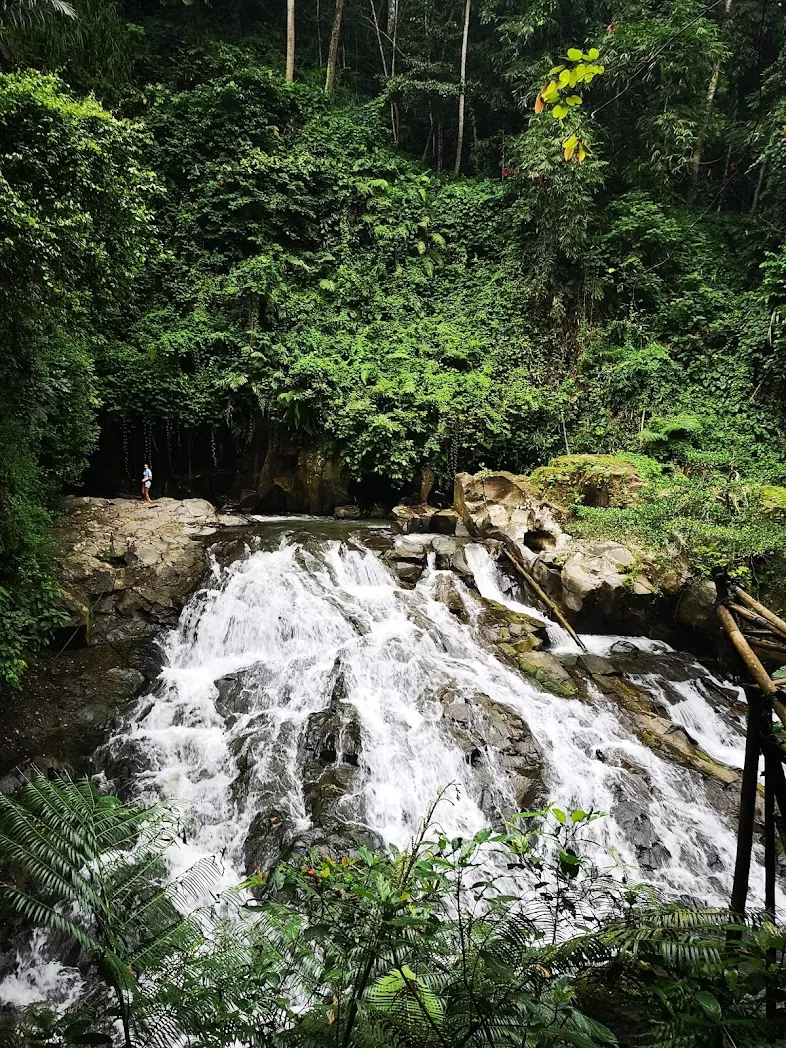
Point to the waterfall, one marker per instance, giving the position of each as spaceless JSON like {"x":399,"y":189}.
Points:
{"x":320,"y":629}
{"x":308,"y":698}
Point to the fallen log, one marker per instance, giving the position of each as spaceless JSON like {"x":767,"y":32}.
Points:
{"x":522,"y":569}
{"x":755,"y":605}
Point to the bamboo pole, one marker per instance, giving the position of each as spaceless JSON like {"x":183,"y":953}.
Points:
{"x":746,"y":653}
{"x":747,"y":815}
{"x":770,"y":616}
{"x":751,"y":616}
{"x":775,"y":650}
{"x":771,"y":768}
{"x":519,"y":565}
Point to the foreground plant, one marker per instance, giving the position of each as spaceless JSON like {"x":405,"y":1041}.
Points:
{"x":509,"y":938}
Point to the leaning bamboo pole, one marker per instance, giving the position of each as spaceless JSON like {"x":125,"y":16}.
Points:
{"x":750,"y":616}
{"x":763,"y":681}
{"x":522,"y":569}
{"x":770,"y":616}
{"x":773,"y":649}
{"x":744,"y":650}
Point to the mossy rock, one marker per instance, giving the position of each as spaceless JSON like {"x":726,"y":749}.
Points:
{"x":545,"y":669}
{"x":593,"y":480}
{"x":773,"y":502}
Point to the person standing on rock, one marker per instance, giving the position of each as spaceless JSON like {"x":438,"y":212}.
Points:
{"x":147,"y":480}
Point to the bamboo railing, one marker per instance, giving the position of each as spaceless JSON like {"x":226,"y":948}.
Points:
{"x":758,"y":635}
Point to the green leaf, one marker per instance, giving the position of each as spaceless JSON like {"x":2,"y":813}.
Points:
{"x":578,"y":815}
{"x":592,"y":54}
{"x":709,"y":1005}
{"x":780,"y":674}
{"x":559,"y":112}
{"x":559,"y":815}
{"x":575,"y":55}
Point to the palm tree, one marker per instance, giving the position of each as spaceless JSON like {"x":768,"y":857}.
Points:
{"x":16,"y":13}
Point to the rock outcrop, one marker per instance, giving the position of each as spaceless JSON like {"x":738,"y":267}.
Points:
{"x":601,"y":585}
{"x":128,"y":567}
{"x":127,"y":570}
{"x":506,"y":507}
{"x":593,"y":480}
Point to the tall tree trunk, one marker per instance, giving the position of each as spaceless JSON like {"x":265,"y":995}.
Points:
{"x":290,"y":40}
{"x":380,"y":45}
{"x":759,"y":185}
{"x":708,"y":105}
{"x":462,"y":88}
{"x":335,"y":36}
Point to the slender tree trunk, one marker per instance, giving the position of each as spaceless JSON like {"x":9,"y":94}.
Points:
{"x":319,"y":34}
{"x":462,"y":88}
{"x":380,"y":45}
{"x":727,"y":165}
{"x":335,"y":37}
{"x":393,"y":35}
{"x":708,"y":105}
{"x":290,"y":40}
{"x":759,"y":186}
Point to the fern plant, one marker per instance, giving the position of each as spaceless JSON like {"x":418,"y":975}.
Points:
{"x":91,"y":869}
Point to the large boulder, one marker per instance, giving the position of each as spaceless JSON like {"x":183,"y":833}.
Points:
{"x":591,"y":480}
{"x":127,"y":567}
{"x":599,"y":583}
{"x":506,"y":507}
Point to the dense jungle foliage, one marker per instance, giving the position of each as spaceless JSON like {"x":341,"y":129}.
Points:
{"x":481,"y":246}
{"x":511,"y":939}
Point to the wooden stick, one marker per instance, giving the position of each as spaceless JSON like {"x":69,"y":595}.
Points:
{"x":744,"y":650}
{"x":751,"y":616}
{"x":748,"y":792}
{"x":770,"y":616}
{"x":519,"y":565}
{"x":778,"y":650}
{"x":771,"y":769}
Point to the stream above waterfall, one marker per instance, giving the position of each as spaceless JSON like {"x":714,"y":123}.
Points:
{"x":308,"y":698}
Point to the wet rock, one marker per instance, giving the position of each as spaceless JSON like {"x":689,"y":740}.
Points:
{"x":412,"y":519}
{"x":506,"y":761}
{"x":127,"y":683}
{"x":349,"y":512}
{"x":597,"y":665}
{"x":448,"y":593}
{"x":511,"y":633}
{"x":696,"y":608}
{"x":547,"y":671}
{"x":408,"y":571}
{"x":39,"y":765}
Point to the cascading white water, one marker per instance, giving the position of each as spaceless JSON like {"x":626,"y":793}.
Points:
{"x":286,"y":621}
{"x":285,"y":635}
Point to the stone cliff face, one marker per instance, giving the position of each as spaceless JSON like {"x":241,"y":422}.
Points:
{"x":127,"y":570}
